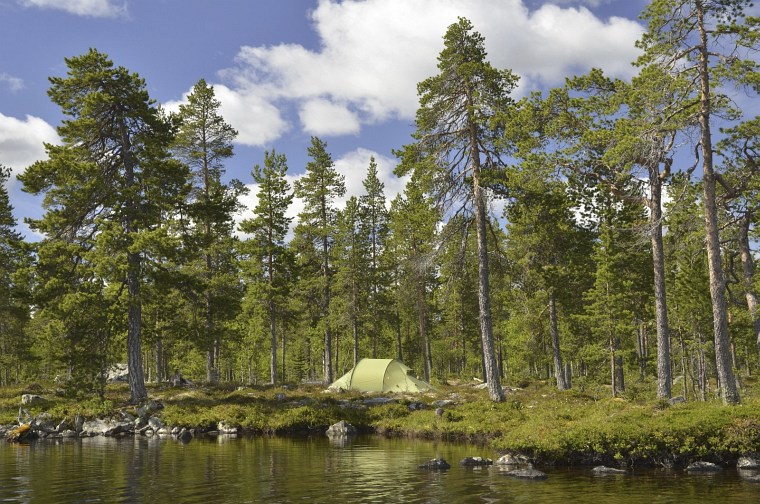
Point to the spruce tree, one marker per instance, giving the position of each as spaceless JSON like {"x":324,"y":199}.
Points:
{"x":269,"y":260}
{"x":318,"y":189}
{"x":15,"y":260}
{"x":374,"y":217}
{"x":203,"y":143}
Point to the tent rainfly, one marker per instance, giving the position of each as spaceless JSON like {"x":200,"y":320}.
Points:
{"x":380,"y":375}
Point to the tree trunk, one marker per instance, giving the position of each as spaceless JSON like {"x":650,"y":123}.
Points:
{"x":664,"y":378}
{"x":159,"y":358}
{"x":273,"y":342}
{"x":620,"y":374}
{"x":613,"y":368}
{"x":422,"y":323}
{"x":355,"y":325}
{"x":728,"y":390}
{"x":282,"y":370}
{"x":559,"y":370}
{"x":208,"y":329}
{"x":399,"y":347}
{"x":328,"y":367}
{"x":748,"y":274}
{"x":137,"y":389}
{"x":495,"y":392}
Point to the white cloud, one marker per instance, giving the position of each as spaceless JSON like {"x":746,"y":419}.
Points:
{"x":322,"y":117}
{"x":21,"y":141}
{"x":13,"y":83}
{"x":353,"y":166}
{"x":373,"y":53}
{"x":591,"y":3}
{"x":89,"y":8}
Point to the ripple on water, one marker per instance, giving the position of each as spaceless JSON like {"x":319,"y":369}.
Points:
{"x":311,"y":470}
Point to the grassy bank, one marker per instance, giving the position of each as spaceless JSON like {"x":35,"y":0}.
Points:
{"x":551,"y":427}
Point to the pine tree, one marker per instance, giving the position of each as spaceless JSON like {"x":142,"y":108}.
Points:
{"x":455,"y":127}
{"x":109,"y":180}
{"x":687,"y":38}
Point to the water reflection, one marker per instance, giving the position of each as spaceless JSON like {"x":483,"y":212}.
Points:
{"x":281,"y":470}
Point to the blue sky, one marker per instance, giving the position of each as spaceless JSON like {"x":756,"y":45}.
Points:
{"x":289,"y":69}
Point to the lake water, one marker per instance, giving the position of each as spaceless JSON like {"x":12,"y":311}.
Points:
{"x":313,"y":470}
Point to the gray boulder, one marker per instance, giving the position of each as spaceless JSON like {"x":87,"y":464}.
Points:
{"x":703,"y":467}
{"x":43,"y":423}
{"x":118,"y":373}
{"x":225,"y":428}
{"x":147,"y":408}
{"x":512,"y":460}
{"x":185,"y":436}
{"x":475,"y":462}
{"x":108,"y":428}
{"x":676,"y":400}
{"x":341,"y":428}
{"x":529,"y":474}
{"x":155,"y":423}
{"x":78,"y":422}
{"x":748,"y":463}
{"x":607,"y":470}
{"x":436,"y":464}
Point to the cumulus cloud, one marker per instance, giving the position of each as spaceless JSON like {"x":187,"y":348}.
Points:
{"x":322,"y":117}
{"x":373,"y":53}
{"x":353,"y":166}
{"x":21,"y":141}
{"x":89,"y":8}
{"x":13,"y":83}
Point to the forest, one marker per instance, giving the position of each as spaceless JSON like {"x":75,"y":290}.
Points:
{"x":622,"y":250}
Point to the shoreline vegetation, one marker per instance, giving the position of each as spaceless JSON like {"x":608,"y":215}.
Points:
{"x":582,"y":426}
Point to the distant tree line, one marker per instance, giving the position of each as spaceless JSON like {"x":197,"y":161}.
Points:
{"x":624,"y":249}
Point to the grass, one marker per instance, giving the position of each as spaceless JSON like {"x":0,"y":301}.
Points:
{"x":579,"y":426}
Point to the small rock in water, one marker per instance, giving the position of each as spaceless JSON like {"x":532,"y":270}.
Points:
{"x":513,"y":460}
{"x":703,"y":467}
{"x":748,"y":463}
{"x":475,"y":461}
{"x":225,"y":428}
{"x":184,"y":436}
{"x":530,"y":474}
{"x":607,"y":470}
{"x":435,"y":464}
{"x":341,"y":428}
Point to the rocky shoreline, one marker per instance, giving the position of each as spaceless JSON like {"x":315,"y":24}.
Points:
{"x":311,"y":415}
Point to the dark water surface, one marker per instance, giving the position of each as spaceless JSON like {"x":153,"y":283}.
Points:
{"x":312,"y":470}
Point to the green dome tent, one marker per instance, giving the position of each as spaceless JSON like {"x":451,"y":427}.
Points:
{"x":380,"y":375}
